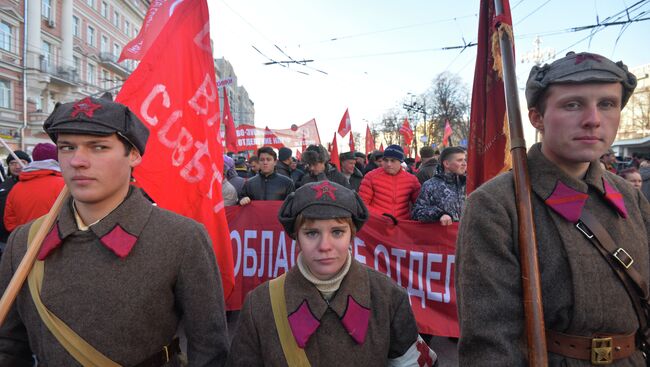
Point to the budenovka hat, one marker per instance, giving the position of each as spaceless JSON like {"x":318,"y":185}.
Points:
{"x":322,"y":200}
{"x":97,"y":116}
{"x":579,"y":68}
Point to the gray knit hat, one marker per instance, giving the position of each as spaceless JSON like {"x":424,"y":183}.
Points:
{"x":578,"y":68}
{"x":322,"y":200}
{"x":97,"y":116}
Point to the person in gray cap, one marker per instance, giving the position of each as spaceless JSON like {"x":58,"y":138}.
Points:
{"x":118,"y":273}
{"x":350,"y":171}
{"x":330,"y":309}
{"x":317,"y":159}
{"x":575,"y":103}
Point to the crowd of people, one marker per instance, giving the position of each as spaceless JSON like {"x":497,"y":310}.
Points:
{"x":431,"y":190}
{"x":116,"y":277}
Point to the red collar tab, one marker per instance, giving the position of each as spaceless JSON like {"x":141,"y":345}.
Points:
{"x":615,"y":198}
{"x":85,"y":106}
{"x":324,"y":188}
{"x":567,"y":202}
{"x":51,"y":242}
{"x":119,"y":241}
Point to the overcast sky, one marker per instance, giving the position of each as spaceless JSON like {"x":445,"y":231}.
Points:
{"x":377,"y":51}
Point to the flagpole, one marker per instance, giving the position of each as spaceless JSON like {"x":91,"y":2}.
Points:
{"x":531,"y":284}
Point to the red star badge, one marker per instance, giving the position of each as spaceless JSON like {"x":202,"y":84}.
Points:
{"x":584,"y":57}
{"x":324,"y":188}
{"x":85,"y":106}
{"x":424,"y":360}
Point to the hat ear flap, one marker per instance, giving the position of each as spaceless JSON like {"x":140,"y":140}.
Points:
{"x":287,"y":214}
{"x":361,"y":210}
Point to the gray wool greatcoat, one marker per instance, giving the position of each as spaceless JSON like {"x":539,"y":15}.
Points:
{"x":127,"y":308}
{"x":391,"y":329}
{"x":581,"y":295}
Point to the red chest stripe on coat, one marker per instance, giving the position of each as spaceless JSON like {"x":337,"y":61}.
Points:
{"x":303,"y":324}
{"x":51,"y":242}
{"x":356,"y":320}
{"x":119,"y":241}
{"x":615,"y":198}
{"x":567,"y":202}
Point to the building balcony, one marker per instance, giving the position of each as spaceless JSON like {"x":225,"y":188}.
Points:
{"x":60,"y":74}
{"x":109,"y":61}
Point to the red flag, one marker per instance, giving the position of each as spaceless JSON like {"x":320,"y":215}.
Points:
{"x":298,"y":155}
{"x":381,"y":147}
{"x":351,"y":142}
{"x":229,"y":124}
{"x":175,"y":95}
{"x":488,"y":138}
{"x":345,"y":126}
{"x":157,"y":16}
{"x":406,"y":132}
{"x":270,"y":140}
{"x":334,"y":154}
{"x":370,"y":141}
{"x":447,"y":134}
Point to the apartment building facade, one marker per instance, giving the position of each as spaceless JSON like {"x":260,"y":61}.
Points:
{"x":58,"y":51}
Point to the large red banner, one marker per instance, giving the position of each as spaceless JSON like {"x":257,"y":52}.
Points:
{"x":418,"y":256}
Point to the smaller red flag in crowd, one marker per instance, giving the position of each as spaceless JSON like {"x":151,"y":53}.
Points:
{"x":351,"y":142}
{"x":229,"y":124}
{"x":334,"y":154}
{"x":345,"y":126}
{"x":406,"y":132}
{"x":447,"y":134}
{"x":381,"y":147}
{"x":370,"y":140}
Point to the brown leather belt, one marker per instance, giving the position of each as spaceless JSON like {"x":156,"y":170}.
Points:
{"x":600,"y":350}
{"x":163,"y":357}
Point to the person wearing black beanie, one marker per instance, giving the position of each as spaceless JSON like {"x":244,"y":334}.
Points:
{"x":14,"y":169}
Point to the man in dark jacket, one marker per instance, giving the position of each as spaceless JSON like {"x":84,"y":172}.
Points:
{"x":428,"y":166}
{"x":266,"y":185}
{"x":283,"y":166}
{"x":350,"y":171}
{"x":374,"y":161}
{"x":361,"y":161}
{"x":443,"y":196}
{"x":319,"y":168}
{"x":15,"y":168}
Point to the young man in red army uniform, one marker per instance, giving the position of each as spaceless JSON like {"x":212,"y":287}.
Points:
{"x":589,"y":316}
{"x":117,"y":274}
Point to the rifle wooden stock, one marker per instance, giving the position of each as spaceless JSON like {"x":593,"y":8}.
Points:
{"x":28,"y":260}
{"x":532,"y":294}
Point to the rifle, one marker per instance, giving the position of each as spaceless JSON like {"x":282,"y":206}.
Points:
{"x":532,"y":294}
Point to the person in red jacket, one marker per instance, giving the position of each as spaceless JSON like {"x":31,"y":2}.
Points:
{"x":390,"y":190}
{"x":38,"y":186}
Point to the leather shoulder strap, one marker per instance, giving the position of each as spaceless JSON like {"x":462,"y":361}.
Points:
{"x":296,"y":356}
{"x":78,"y":348}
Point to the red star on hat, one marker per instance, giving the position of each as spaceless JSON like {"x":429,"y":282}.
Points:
{"x":584,"y":57}
{"x":324,"y":188}
{"x":85,"y":106}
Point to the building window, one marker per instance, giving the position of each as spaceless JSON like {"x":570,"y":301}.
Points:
{"x":90,"y":36}
{"x":104,"y":45}
{"x":5,"y":94}
{"x":46,"y":9}
{"x":117,"y":50}
{"x":6,"y":36}
{"x":105,"y":79}
{"x":76,"y":26}
{"x":90,"y":3}
{"x":77,"y":65}
{"x":104,"y":9}
{"x":127,"y":25}
{"x":90,"y":74}
{"x":46,"y":52}
{"x":116,"y":19}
